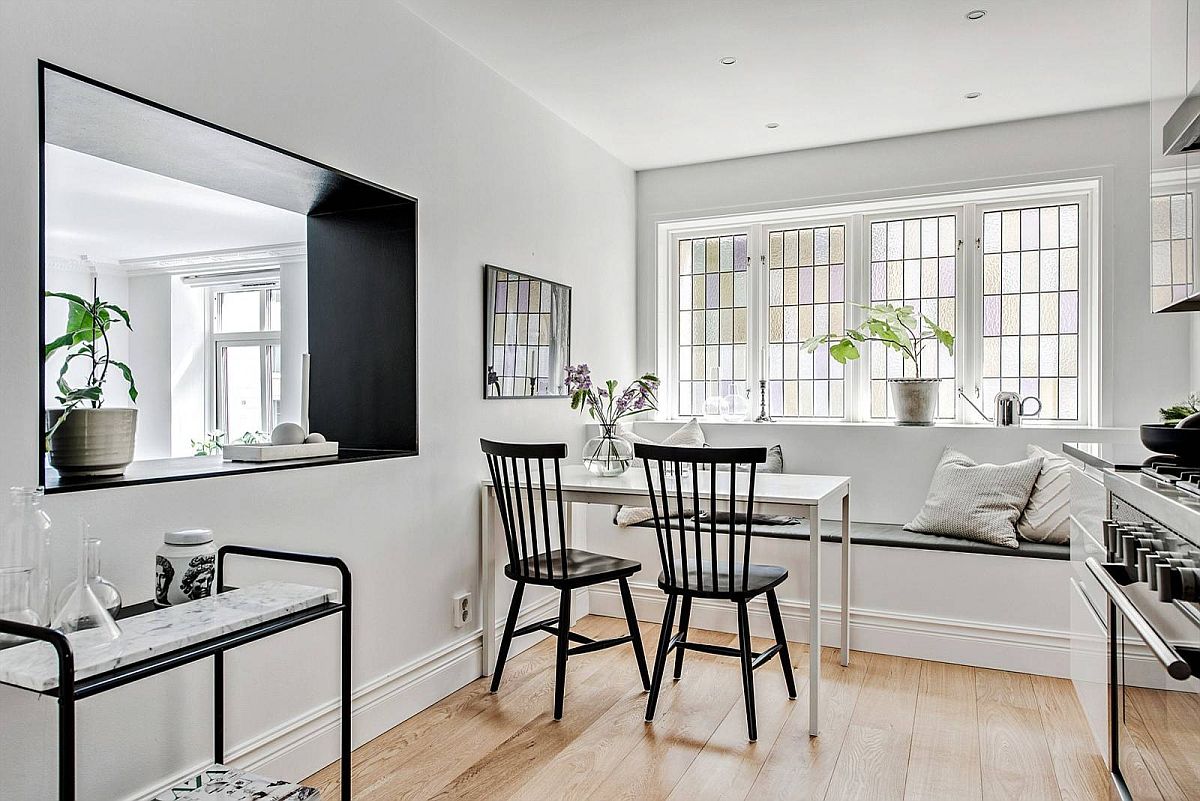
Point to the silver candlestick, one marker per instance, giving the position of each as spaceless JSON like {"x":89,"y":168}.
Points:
{"x":764,"y":416}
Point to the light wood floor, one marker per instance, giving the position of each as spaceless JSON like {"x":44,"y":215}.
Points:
{"x":893,"y":729}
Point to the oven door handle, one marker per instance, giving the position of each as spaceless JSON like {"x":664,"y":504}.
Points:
{"x":1176,"y":666}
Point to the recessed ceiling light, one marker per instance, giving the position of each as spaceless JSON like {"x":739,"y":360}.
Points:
{"x":972,"y":95}
{"x":977,"y":14}
{"x":728,"y":60}
{"x":772,"y":125}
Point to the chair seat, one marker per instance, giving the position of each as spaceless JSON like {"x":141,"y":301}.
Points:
{"x":583,"y":568}
{"x":702,"y":583}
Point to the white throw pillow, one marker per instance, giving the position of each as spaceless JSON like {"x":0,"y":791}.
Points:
{"x":1047,"y":515}
{"x":689,"y":435}
{"x":979,"y":502}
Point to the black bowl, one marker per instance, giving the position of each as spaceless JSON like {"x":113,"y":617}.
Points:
{"x":1166,"y":438}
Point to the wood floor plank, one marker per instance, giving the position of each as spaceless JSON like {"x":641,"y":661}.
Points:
{"x":1015,"y":758}
{"x":688,"y":713}
{"x":1078,"y":767}
{"x":799,"y":766}
{"x":891,"y":728}
{"x":729,"y":764}
{"x":428,"y":765}
{"x":873,"y":762}
{"x":944,"y":759}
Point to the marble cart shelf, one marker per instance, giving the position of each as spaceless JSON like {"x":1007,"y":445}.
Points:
{"x":35,"y":666}
{"x":221,"y":782}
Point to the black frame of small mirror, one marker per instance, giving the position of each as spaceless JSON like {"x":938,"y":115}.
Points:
{"x":362,"y":265}
{"x":490,"y":378}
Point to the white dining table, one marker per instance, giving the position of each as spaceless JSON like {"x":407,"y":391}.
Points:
{"x":774,"y":493}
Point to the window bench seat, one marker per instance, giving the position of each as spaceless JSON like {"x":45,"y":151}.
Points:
{"x":893,"y":535}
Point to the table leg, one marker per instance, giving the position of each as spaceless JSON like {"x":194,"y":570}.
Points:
{"x":846,"y":579}
{"x":487,"y":580}
{"x":814,"y":618}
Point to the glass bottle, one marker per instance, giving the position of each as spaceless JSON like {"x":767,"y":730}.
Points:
{"x":16,"y":584}
{"x":25,"y":542}
{"x":89,"y":602}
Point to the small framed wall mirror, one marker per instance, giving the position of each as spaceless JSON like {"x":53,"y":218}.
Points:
{"x":527,"y":335}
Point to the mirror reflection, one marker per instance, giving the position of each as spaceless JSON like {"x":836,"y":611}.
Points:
{"x":527,"y":335}
{"x":215,"y":288}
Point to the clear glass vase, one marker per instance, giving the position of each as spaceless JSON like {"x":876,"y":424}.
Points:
{"x":89,"y":602}
{"x":25,"y":543}
{"x":608,"y":454}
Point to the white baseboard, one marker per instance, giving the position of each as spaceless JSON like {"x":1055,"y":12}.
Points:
{"x":938,"y":639}
{"x":300,"y":747}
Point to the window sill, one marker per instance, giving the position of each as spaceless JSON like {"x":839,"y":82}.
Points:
{"x":870,"y":424}
{"x":188,"y":468}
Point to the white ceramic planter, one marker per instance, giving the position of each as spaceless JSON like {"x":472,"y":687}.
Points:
{"x":915,"y":400}
{"x":92,"y":442}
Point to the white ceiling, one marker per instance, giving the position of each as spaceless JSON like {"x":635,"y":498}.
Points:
{"x":109,"y":212}
{"x":643,"y":79}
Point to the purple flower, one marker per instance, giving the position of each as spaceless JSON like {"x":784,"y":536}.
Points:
{"x":578,"y":377}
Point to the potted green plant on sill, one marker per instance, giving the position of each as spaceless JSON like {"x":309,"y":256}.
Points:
{"x":85,"y":437}
{"x":901,"y":329}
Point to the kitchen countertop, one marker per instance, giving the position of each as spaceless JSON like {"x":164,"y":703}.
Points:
{"x":1106,"y":455}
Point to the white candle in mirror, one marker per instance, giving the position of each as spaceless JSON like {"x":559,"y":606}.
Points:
{"x":305,"y":369}
{"x":762,"y":364}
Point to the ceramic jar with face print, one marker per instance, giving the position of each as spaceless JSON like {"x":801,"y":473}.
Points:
{"x":185,"y":567}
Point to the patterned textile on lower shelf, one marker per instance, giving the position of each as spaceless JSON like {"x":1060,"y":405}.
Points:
{"x":231,"y":784}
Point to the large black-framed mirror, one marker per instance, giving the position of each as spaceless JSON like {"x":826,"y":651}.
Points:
{"x":527,"y":335}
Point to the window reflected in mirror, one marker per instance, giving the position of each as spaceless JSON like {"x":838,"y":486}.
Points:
{"x":527,"y":335}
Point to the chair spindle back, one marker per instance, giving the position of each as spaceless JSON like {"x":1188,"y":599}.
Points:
{"x":519,"y":478}
{"x":671,"y":486}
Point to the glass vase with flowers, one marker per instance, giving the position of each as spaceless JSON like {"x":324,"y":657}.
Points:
{"x":609,"y":454}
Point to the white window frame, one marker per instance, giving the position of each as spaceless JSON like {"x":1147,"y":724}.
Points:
{"x":213,"y":340}
{"x":968,"y":207}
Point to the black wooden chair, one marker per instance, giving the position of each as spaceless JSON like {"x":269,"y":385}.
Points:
{"x":693,"y":564}
{"x":539,"y":557}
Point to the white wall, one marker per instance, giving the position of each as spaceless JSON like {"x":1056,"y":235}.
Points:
{"x":373,"y":91}
{"x":1145,"y":358}
{"x":150,"y":349}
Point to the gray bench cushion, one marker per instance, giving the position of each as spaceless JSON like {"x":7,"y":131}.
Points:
{"x":893,"y":535}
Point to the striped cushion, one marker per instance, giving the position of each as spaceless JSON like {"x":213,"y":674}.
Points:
{"x":1046,"y":515}
{"x":979,"y":502}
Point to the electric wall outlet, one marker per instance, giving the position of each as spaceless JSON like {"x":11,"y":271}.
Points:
{"x":462,"y":609}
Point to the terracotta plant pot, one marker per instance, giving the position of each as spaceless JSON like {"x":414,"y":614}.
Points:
{"x":915,"y":400}
{"x":92,"y":442}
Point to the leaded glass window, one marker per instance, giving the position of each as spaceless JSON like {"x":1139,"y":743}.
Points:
{"x":713,"y":285}
{"x":806,"y":298}
{"x":1171,"y":247}
{"x":521,"y":334}
{"x":1031,"y":306}
{"x":914,"y":262}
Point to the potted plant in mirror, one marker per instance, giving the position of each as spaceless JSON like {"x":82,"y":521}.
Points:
{"x":901,"y":329}
{"x":609,"y":454}
{"x":85,"y":437}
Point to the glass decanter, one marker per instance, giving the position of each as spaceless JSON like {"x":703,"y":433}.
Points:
{"x":25,"y":543}
{"x":89,"y":602}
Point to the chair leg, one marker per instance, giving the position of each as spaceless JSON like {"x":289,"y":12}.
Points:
{"x":685,"y":617}
{"x":635,"y":633}
{"x":514,"y":610}
{"x":785,"y":658}
{"x":747,"y":670}
{"x":560,"y":664}
{"x":660,"y":661}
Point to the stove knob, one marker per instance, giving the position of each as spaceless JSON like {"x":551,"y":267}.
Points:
{"x":1152,"y":562}
{"x":1129,"y":546}
{"x":1179,"y":583}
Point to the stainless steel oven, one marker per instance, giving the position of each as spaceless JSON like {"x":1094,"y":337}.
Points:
{"x":1151,"y":577}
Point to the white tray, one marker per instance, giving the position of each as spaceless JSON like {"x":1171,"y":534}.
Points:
{"x":274,"y":453}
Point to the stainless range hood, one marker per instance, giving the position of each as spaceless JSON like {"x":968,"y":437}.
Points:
{"x":1181,"y":134}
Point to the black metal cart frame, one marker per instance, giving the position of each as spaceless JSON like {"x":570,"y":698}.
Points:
{"x":69,"y":690}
